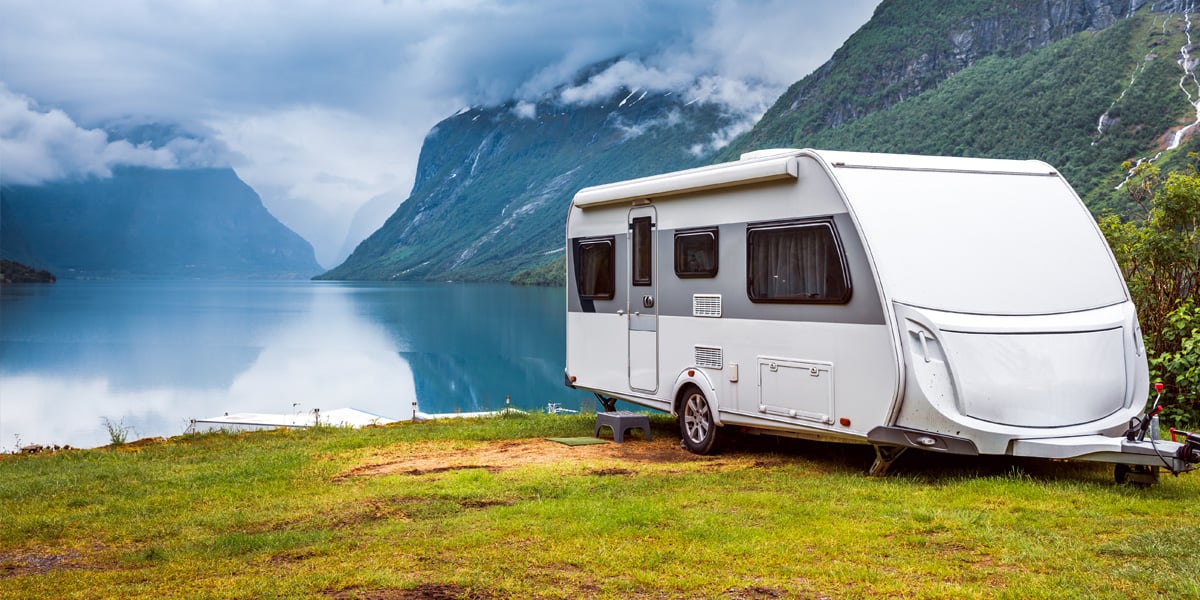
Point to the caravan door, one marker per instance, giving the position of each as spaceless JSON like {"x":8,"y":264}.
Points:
{"x":643,"y":299}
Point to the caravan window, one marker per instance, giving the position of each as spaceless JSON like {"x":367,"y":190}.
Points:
{"x":696,"y":253}
{"x":796,"y":262}
{"x":643,"y":250}
{"x":596,"y":278}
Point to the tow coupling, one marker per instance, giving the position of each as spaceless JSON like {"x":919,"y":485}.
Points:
{"x":1190,"y":451}
{"x":1178,"y":456}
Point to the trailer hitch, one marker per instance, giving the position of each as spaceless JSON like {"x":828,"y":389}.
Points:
{"x":1176,"y":460}
{"x":1189,"y":452}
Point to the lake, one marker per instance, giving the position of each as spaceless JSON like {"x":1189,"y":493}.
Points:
{"x":151,"y":355}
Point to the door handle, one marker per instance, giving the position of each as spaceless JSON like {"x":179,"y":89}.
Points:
{"x":648,"y":301}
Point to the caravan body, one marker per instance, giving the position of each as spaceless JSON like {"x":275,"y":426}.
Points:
{"x":950,"y":304}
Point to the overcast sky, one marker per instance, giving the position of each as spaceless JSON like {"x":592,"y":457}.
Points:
{"x":321,"y":106}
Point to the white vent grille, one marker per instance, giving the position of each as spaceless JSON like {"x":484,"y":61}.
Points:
{"x":706,"y":305}
{"x":709,"y":357}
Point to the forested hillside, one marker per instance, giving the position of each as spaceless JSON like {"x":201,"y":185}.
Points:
{"x":1115,"y":91}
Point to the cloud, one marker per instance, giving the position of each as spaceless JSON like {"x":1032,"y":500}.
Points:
{"x":742,"y":57}
{"x":525,"y":110}
{"x":633,"y":130}
{"x":313,"y":166}
{"x":356,"y":85}
{"x":721,"y":138}
{"x":40,"y":145}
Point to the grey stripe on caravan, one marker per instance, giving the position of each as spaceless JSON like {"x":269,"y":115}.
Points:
{"x":674,"y":295}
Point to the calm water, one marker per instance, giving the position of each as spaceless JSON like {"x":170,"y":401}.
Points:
{"x":153,"y":354}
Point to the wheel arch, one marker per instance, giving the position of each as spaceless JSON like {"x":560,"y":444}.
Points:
{"x":694,"y":377}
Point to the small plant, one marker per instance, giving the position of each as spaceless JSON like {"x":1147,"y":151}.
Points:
{"x":118,"y":433}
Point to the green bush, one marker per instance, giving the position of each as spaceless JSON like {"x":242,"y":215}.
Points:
{"x":1180,"y":363}
{"x":1159,"y":254}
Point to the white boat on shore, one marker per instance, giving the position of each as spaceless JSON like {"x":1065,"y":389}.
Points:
{"x":338,"y":417}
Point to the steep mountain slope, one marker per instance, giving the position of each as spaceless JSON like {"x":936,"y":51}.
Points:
{"x":1084,"y":86}
{"x":911,"y":46}
{"x":493,"y":183}
{"x":146,"y":222}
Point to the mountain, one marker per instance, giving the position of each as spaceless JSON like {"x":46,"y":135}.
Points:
{"x":1089,"y":86}
{"x":493,"y":183}
{"x":1084,"y":86}
{"x":145,"y":222}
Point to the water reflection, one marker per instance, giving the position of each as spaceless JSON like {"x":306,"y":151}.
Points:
{"x":154,"y":354}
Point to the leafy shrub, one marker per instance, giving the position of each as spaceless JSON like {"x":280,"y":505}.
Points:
{"x":1159,"y":254}
{"x":1180,"y":363}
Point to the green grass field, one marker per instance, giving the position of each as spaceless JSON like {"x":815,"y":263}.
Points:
{"x":489,"y":509}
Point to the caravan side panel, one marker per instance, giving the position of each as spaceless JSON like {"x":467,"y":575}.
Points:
{"x":844,"y":375}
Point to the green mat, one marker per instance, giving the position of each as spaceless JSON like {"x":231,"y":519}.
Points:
{"x":578,"y":441}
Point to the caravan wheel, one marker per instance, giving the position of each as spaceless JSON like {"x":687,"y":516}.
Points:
{"x":1142,"y":476}
{"x":696,"y":424}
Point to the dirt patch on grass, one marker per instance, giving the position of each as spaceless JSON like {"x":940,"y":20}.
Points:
{"x":422,"y":459}
{"x":754,"y":593}
{"x":425,"y":591}
{"x":291,"y":556}
{"x":14,"y":563}
{"x":611,"y":471}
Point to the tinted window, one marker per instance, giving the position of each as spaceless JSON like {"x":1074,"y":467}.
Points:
{"x":696,"y":253}
{"x":643,"y":250}
{"x":596,"y":278}
{"x":796,"y":263}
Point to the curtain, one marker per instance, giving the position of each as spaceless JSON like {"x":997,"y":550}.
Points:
{"x":796,"y":263}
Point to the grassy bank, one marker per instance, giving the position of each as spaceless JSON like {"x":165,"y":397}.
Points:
{"x":489,"y":509}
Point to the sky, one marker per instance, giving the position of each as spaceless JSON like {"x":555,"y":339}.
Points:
{"x":323,"y":106}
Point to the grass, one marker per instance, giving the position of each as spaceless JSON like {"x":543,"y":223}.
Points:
{"x":468,"y":509}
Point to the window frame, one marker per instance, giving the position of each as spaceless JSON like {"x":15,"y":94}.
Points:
{"x":610,"y":274}
{"x":714,"y":233}
{"x":840,"y":253}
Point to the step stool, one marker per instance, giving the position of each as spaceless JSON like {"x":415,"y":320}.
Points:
{"x":621,"y":421}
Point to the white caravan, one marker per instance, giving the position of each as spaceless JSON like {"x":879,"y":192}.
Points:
{"x":966,"y":306}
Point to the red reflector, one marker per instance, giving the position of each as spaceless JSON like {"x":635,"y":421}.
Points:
{"x":572,"y":379}
{"x":691,"y":373}
{"x":844,"y":421}
{"x":1158,"y":387}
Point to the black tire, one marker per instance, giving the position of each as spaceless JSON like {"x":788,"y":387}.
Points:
{"x":696,"y":425}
